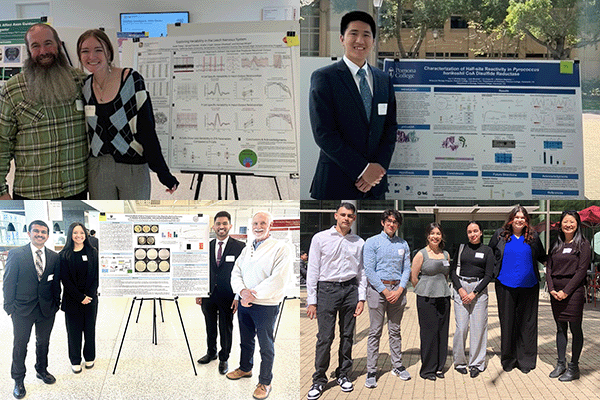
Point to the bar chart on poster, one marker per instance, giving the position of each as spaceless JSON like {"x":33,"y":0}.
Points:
{"x":224,"y":101}
{"x":487,"y":130}
{"x":153,"y":255}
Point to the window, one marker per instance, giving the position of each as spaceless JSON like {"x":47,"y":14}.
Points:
{"x":310,"y":21}
{"x":457,"y":22}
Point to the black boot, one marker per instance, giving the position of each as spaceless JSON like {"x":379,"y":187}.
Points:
{"x":559,"y":370}
{"x":571,"y":374}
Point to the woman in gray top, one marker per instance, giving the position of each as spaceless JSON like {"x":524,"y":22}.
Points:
{"x":429,"y":273}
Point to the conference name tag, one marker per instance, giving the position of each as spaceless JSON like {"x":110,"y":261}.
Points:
{"x":401,"y":252}
{"x":84,"y":257}
{"x":567,"y":250}
{"x":478,"y":255}
{"x":90,"y":111}
{"x":229,"y":258}
{"x":50,"y":277}
{"x":382,"y":109}
{"x":445,"y":263}
{"x":79,"y":105}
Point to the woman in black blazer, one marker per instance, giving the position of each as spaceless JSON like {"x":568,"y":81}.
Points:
{"x":518,"y":249}
{"x":80,"y":279}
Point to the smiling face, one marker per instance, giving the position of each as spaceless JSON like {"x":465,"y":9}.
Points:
{"x":390,"y":225}
{"x":261,"y":226}
{"x":344,"y":218}
{"x":38,"y":235}
{"x":42,"y":46}
{"x":92,"y":55}
{"x":568,"y":225}
{"x":357,"y":41}
{"x":222,"y":227}
{"x":474,"y":233}
{"x":519,"y":223}
{"x":434,"y":238}
{"x":78,"y":236}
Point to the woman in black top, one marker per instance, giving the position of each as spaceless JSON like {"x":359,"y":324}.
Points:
{"x":471,"y":271}
{"x":566,"y":270}
{"x":79,"y":276}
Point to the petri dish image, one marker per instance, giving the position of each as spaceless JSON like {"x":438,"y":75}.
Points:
{"x":146,"y":228}
{"x":154,"y":228}
{"x":140,"y":266}
{"x":137,"y":228}
{"x":152,"y":253}
{"x":152,"y":266}
{"x":150,"y":240}
{"x":164,"y":254}
{"x":140,"y":254}
{"x":164,"y":266}
{"x":141,"y":239}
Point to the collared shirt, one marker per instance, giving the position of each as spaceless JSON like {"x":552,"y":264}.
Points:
{"x":217,"y":246}
{"x":255,"y":244}
{"x":48,"y":143}
{"x":386,"y":258}
{"x":354,"y":70}
{"x":33,"y":252}
{"x":334,"y":257}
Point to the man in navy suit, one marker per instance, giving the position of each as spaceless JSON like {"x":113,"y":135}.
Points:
{"x":32,"y":297}
{"x":353,"y":117}
{"x":221,"y":305}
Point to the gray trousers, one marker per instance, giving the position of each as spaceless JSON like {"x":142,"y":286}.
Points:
{"x":378,"y":306}
{"x":475,"y":316}
{"x":110,"y":180}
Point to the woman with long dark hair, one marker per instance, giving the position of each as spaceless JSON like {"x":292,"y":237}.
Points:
{"x":80,"y":279}
{"x":471,"y":270}
{"x":566,"y":270}
{"x":518,"y":249}
{"x":429,"y":273}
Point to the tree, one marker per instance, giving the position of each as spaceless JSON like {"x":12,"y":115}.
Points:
{"x":558,"y":25}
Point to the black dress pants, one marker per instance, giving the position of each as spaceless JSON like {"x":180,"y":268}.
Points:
{"x":22,"y":326}
{"x":434,"y":321}
{"x":518,"y":315}
{"x":333,"y":300}
{"x":218,"y":309}
{"x":78,"y":324}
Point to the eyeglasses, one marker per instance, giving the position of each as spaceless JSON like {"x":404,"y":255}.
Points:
{"x":391,"y":221}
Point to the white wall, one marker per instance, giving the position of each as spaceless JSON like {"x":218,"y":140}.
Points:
{"x":105,"y":13}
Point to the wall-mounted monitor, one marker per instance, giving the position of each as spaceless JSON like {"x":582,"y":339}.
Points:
{"x":155,"y":23}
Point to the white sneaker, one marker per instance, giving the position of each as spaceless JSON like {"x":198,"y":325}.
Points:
{"x":401,"y":373}
{"x":345,"y":384}
{"x":76,"y":368}
{"x":89,"y":364}
{"x":371,"y":381}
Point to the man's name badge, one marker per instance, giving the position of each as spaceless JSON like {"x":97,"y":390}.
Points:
{"x":79,"y":105}
{"x":230,"y":258}
{"x":400,"y":252}
{"x":50,"y":277}
{"x":382,"y":109}
{"x":90,"y":111}
{"x":84,"y":257}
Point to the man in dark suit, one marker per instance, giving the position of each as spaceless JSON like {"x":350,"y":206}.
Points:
{"x":221,"y":305}
{"x":353,"y":117}
{"x":93,"y":240}
{"x":32,"y":296}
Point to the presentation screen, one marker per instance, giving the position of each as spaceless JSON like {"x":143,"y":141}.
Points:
{"x":155,"y":23}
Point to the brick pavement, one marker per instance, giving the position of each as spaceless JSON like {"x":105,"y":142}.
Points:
{"x":493,"y":383}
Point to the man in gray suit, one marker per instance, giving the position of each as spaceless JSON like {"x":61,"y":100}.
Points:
{"x":32,"y":297}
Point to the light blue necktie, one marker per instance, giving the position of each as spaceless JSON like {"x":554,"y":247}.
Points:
{"x":365,"y":92}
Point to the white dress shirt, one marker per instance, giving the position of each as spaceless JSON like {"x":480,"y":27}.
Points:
{"x":33,"y":252}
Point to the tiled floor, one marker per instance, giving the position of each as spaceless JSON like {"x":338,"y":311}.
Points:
{"x":151,"y":372}
{"x":493,"y":383}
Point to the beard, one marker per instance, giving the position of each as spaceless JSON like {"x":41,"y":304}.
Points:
{"x":52,"y":83}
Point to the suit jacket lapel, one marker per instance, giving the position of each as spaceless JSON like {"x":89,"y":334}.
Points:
{"x":30,"y":261}
{"x":348,"y":81}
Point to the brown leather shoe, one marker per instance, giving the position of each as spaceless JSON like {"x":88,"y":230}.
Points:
{"x":238,"y":373}
{"x":262,"y":391}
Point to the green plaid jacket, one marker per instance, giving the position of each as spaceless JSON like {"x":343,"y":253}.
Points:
{"x":48,"y":143}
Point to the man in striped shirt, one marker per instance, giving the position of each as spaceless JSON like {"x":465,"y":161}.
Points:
{"x":42,"y":124}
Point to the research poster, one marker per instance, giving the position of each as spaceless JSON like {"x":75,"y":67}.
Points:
{"x":224,"y":102}
{"x":498,"y":130}
{"x":154,"y":255}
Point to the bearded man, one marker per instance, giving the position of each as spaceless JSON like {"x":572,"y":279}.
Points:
{"x":42,"y":124}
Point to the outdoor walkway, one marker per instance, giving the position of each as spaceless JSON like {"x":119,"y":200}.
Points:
{"x":493,"y":383}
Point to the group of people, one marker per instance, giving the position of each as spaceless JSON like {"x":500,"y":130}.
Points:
{"x":344,"y":271}
{"x":32,"y":288}
{"x":69,"y":133}
{"x":253,"y":276}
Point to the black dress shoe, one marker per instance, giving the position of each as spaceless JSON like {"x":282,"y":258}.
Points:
{"x":462,"y":370}
{"x":429,"y":377}
{"x":440,"y":374}
{"x":19,"y":391}
{"x":223,"y":367}
{"x":46,"y":377}
{"x":205,"y":359}
{"x":474,"y":372}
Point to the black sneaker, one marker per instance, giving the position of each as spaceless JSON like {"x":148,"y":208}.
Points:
{"x":315,"y":391}
{"x":345,"y":384}
{"x":474,"y":372}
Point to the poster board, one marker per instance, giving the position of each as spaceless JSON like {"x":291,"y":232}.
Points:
{"x":225,"y":96}
{"x":478,"y":130}
{"x":154,"y":255}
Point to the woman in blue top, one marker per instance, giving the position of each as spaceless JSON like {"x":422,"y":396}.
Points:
{"x":518,"y":249}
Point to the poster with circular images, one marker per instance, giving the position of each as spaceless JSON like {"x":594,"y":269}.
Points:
{"x":12,"y":54}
